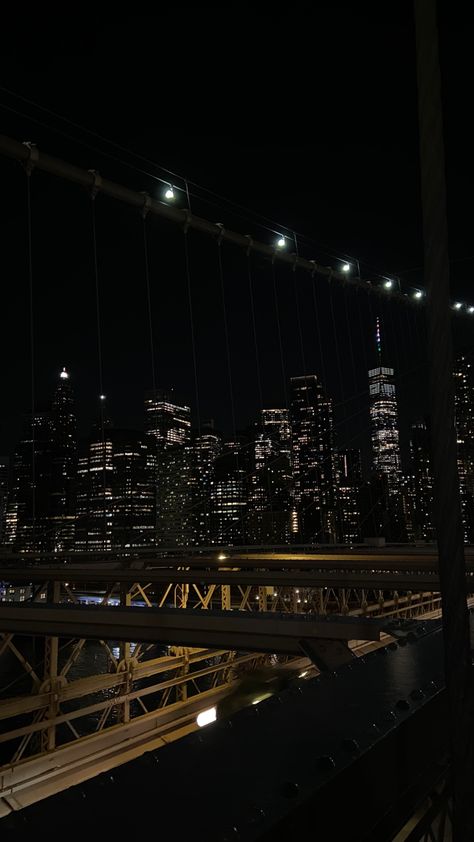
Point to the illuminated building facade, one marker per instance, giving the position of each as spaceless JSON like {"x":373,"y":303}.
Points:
{"x":4,"y":470}
{"x":417,"y":488}
{"x":168,"y":426}
{"x":27,"y":525}
{"x":270,"y":481}
{"x":384,"y":421}
{"x":202,"y":456}
{"x":229,"y":498}
{"x":167,"y":421}
{"x":348,"y":476}
{"x":464,"y":411}
{"x":311,"y":417}
{"x":115,"y":491}
{"x":63,"y":464}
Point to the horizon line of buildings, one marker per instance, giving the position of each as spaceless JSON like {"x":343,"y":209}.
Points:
{"x":283,"y":480}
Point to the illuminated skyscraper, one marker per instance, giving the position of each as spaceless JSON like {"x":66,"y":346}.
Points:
{"x":166,"y":420}
{"x":27,"y":525}
{"x":464,"y":408}
{"x":417,"y":488}
{"x":270,"y":481}
{"x":384,"y":421}
{"x":201,"y":457}
{"x":115,"y":491}
{"x":3,"y":495}
{"x":313,"y":518}
{"x":168,"y":425}
{"x":63,"y":464}
{"x":348,"y":475}
{"x":229,"y":498}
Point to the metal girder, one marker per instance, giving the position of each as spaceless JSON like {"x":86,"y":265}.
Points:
{"x":428,"y":580}
{"x":353,"y":764}
{"x":247,"y":631}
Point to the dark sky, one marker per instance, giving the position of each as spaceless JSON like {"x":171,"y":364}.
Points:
{"x":304,"y":115}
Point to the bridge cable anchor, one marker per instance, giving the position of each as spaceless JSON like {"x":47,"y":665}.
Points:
{"x":33,"y":157}
{"x":146,"y":204}
{"x":221,"y":232}
{"x":187,"y":220}
{"x":96,"y":183}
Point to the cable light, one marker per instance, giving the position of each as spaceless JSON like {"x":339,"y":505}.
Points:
{"x":388,"y":284}
{"x":457,"y":305}
{"x":281,"y":242}
{"x":471,"y":310}
{"x":169,"y":194}
{"x":418,"y":294}
{"x":102,"y":397}
{"x":346,"y":267}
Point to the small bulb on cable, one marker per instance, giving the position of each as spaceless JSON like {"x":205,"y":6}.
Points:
{"x":457,"y":305}
{"x":388,"y":284}
{"x":418,"y":293}
{"x":169,"y":193}
{"x":471,"y":310}
{"x":346,"y":267}
{"x":281,"y":242}
{"x":102,"y":397}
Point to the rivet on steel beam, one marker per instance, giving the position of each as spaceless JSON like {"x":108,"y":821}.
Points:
{"x":290,"y":789}
{"x":350,"y":745}
{"x":326,"y":763}
{"x":417,"y":694}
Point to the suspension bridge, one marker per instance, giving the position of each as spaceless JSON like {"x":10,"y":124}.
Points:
{"x":262,"y":619}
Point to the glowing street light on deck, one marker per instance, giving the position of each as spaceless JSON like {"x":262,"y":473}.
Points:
{"x":206,"y":717}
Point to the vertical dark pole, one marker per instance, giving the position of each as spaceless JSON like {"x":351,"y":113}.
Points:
{"x":458,"y":666}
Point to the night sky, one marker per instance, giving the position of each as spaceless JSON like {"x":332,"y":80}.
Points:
{"x":306,"y":117}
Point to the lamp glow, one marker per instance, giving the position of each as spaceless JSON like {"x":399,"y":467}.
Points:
{"x":471,"y":310}
{"x":418,"y":294}
{"x":206,"y":717}
{"x":388,"y":284}
{"x":281,"y":242}
{"x":102,"y":397}
{"x":169,"y":193}
{"x":346,"y":267}
{"x":457,"y":305}
{"x":221,"y":557}
{"x":64,"y":375}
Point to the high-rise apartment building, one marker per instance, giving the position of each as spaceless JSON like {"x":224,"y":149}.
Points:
{"x":229,"y":496}
{"x":311,"y":417}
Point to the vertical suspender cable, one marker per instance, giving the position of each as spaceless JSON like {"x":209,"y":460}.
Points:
{"x":100,"y":370}
{"x":32,"y":357}
{"x":149,"y":309}
{"x":191,"y":321}
{"x":280,"y":343}
{"x":227,"y":342}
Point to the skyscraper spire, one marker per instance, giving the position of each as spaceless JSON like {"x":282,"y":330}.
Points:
{"x":378,"y":342}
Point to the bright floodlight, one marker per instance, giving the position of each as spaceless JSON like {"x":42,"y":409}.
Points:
{"x":418,"y":293}
{"x":388,"y":284}
{"x":281,"y":242}
{"x":206,"y":717}
{"x":102,"y":397}
{"x":457,"y":305}
{"x":169,"y":193}
{"x":221,"y":557}
{"x":302,"y":674}
{"x":471,"y":310}
{"x":346,"y":267}
{"x":64,"y":375}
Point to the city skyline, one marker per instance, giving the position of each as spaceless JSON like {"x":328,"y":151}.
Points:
{"x":284,"y":478}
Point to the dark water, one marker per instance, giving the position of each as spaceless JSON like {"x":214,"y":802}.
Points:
{"x":92,"y":660}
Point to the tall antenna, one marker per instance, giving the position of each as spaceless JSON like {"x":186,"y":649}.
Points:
{"x":378,"y":341}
